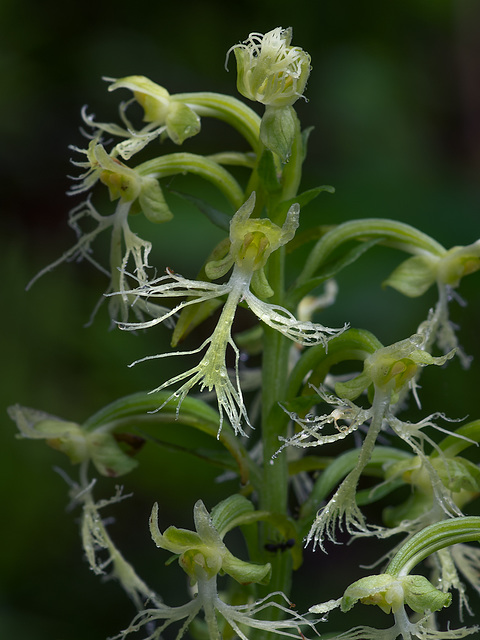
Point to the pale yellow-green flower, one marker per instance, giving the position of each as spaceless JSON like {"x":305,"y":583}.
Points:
{"x":269,"y":69}
{"x":252,"y":242}
{"x":134,"y":193}
{"x":391,"y":593}
{"x":272,"y":72}
{"x":203,"y":555}
{"x":389,"y":370}
{"x":79,"y":444}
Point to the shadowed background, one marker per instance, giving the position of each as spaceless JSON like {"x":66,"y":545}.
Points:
{"x":394,"y":96}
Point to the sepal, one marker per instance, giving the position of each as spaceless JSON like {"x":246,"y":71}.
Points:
{"x":414,"y":276}
{"x":202,"y":554}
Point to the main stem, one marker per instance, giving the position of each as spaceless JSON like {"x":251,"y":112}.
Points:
{"x":274,"y":492}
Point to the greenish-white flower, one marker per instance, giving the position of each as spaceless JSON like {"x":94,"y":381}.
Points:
{"x":388,"y":370}
{"x":134,"y":193}
{"x":418,"y":273}
{"x":446,"y":269}
{"x":392,"y":593}
{"x":162,"y":114}
{"x":79,"y":444}
{"x":269,"y":69}
{"x":252,"y":242}
{"x":123,"y":182}
{"x":203,"y":555}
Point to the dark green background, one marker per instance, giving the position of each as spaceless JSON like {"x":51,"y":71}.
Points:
{"x":394,"y":96}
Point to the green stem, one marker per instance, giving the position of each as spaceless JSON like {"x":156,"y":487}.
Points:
{"x":142,"y":407}
{"x":175,"y":163}
{"x":226,"y":108}
{"x":274,"y":420}
{"x":394,"y":234}
{"x":431,"y":539}
{"x":275,"y":366}
{"x":274,"y":494}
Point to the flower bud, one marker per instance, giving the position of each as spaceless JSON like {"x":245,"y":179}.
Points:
{"x":278,"y":129}
{"x":269,"y":70}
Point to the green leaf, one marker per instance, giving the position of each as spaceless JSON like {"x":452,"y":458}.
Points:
{"x":267,"y":171}
{"x":305,"y":137}
{"x":330,"y":269}
{"x":303,"y":199}
{"x":144,"y":407}
{"x":374,"y":494}
{"x":216,"y":217}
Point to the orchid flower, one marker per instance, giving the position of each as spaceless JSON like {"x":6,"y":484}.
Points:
{"x":251,"y":243}
{"x":395,"y":589}
{"x":134,"y":193}
{"x":389,"y":369}
{"x":203,"y":555}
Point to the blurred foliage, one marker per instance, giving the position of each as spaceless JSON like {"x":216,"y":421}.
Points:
{"x":395,"y":100}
